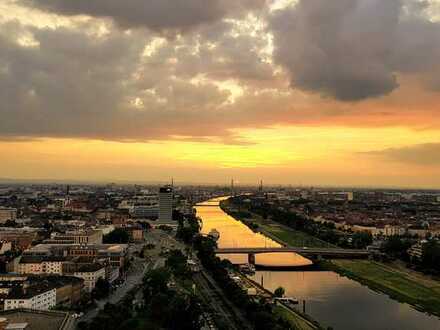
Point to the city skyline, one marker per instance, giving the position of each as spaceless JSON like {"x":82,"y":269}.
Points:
{"x":311,"y":93}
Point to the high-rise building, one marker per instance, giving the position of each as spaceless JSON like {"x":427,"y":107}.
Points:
{"x":166,"y":204}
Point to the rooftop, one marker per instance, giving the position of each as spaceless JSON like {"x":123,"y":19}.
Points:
{"x":38,"y":320}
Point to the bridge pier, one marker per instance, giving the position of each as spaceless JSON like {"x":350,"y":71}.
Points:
{"x":251,"y":258}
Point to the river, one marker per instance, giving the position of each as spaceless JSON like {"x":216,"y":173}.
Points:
{"x":331,"y":299}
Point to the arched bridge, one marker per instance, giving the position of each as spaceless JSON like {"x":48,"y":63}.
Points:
{"x":304,"y":251}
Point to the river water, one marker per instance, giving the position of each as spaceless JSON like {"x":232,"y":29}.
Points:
{"x":331,"y":299}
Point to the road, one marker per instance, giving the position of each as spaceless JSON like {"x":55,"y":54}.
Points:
{"x":138,"y":268}
{"x":134,"y":278}
{"x":213,"y":297}
{"x":218,"y":304}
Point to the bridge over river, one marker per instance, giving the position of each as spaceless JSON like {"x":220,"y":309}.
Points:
{"x":331,"y":253}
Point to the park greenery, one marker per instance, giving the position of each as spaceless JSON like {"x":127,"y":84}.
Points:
{"x":324,"y":232}
{"x":165,"y":228}
{"x":102,"y":289}
{"x":260,"y":314}
{"x":431,"y":257}
{"x":279,"y":292}
{"x":402,"y":286}
{"x":166,"y":304}
{"x":112,"y":316}
{"x":396,"y":247}
{"x":117,"y":236}
{"x":424,"y":293}
{"x":188,"y":227}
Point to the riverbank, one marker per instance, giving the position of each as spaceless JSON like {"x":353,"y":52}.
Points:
{"x":297,"y":319}
{"x":424,"y":295}
{"x":278,"y":232}
{"x":396,"y":284}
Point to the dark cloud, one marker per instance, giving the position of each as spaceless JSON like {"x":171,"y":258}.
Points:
{"x":420,"y":154}
{"x":70,"y":83}
{"x":76,"y":85}
{"x":157,"y":15}
{"x":353,"y":49}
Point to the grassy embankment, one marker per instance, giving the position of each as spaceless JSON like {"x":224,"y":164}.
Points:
{"x":278,"y":231}
{"x":402,"y":285}
{"x":423,"y":294}
{"x":294,"y":319}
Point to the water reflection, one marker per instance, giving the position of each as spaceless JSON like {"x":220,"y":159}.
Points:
{"x":345,"y":304}
{"x":331,"y":299}
{"x":234,"y":233}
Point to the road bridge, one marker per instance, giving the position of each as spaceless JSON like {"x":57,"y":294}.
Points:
{"x":329,"y":253}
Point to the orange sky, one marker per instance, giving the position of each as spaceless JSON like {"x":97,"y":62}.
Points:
{"x":251,"y":93}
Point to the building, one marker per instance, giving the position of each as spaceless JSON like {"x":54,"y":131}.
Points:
{"x":145,"y":211}
{"x":112,"y":274}
{"x":7,"y":214}
{"x":5,"y":247}
{"x":30,"y":265}
{"x":136,"y":233}
{"x":38,"y":297}
{"x":166,"y":204}
{"x":90,"y":273}
{"x":416,"y":251}
{"x":68,"y":288}
{"x":116,"y":254}
{"x":76,"y":237}
{"x":36,"y":320}
{"x":53,"y":265}
{"x":21,"y":238}
{"x":393,"y":230}
{"x":41,"y":265}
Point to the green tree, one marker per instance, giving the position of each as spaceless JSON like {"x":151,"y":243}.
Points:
{"x":431,"y":255}
{"x":362,"y":239}
{"x":155,"y":282}
{"x":395,"y":246}
{"x":117,"y":236}
{"x":279,"y":292}
{"x":177,"y":262}
{"x":102,"y":289}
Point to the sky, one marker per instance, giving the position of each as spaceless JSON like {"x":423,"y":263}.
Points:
{"x":300,"y":92}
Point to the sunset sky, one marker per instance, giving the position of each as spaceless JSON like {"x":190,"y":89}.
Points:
{"x":310,"y":92}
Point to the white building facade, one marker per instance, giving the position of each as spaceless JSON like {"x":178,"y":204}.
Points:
{"x":41,"y":301}
{"x":91,"y":277}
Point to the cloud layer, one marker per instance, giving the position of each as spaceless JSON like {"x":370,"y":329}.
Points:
{"x":420,"y":154}
{"x":353,"y":49}
{"x":228,"y":71}
{"x":158,"y":15}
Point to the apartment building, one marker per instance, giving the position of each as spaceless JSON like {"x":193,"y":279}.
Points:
{"x":38,"y":297}
{"x":90,"y":273}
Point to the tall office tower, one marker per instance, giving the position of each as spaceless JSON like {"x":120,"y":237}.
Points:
{"x":166,"y":204}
